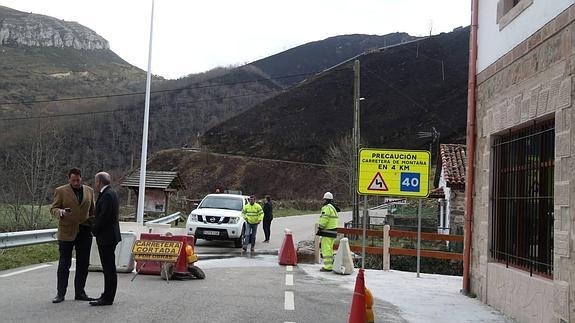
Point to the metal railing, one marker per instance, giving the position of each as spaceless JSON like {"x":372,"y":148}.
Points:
{"x":168,"y":218}
{"x":27,"y":238}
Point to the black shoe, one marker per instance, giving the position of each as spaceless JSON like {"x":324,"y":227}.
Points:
{"x":245,"y":249}
{"x":100,"y":302}
{"x":84,"y":297}
{"x":252,"y":249}
{"x":58,"y":299}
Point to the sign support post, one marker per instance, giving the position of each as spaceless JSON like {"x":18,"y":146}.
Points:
{"x":364,"y":234}
{"x":418,"y":237}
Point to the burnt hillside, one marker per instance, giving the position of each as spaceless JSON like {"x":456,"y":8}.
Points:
{"x":319,"y":55}
{"x":405,"y":90}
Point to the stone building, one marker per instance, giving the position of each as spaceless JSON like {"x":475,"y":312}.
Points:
{"x":522,"y":252}
{"x":450,"y":180}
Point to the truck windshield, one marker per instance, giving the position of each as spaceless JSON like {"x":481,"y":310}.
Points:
{"x":220,"y":202}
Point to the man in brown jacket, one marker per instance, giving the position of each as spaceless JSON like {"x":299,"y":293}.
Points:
{"x":73,"y":206}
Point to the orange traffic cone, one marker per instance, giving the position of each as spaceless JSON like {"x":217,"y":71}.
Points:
{"x":369,"y":317}
{"x":287,"y":254}
{"x":357,"y":314}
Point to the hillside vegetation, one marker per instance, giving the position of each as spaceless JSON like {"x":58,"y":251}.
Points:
{"x":203,"y":172}
{"x":276,"y":108}
{"x":407,"y":88}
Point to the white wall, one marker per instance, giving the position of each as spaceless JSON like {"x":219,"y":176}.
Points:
{"x":493,"y":44}
{"x":447,"y":209}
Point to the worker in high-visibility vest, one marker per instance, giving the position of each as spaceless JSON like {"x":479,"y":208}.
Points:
{"x":253,"y":214}
{"x":328,"y":222}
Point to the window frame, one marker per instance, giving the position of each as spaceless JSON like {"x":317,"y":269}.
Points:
{"x":522,"y":199}
{"x":507,"y":11}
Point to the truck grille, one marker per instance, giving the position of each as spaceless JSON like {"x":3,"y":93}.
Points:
{"x":213,"y":219}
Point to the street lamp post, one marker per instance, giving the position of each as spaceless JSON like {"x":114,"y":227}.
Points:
{"x":144,"y":156}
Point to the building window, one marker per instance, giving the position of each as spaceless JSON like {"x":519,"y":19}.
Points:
{"x":522,"y":199}
{"x":507,"y":10}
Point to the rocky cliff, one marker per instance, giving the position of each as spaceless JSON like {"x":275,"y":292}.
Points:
{"x":27,"y":29}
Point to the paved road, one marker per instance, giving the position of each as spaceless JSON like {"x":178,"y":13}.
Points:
{"x":241,"y":289}
{"x":244,"y":288}
{"x":302,"y":227}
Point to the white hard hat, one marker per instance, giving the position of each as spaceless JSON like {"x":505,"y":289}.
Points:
{"x":328,"y":196}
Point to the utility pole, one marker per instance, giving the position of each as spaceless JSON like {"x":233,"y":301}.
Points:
{"x":129,"y":190}
{"x":356,"y":142}
{"x":144,"y":157}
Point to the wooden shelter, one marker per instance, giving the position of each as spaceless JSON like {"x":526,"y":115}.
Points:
{"x":159,"y":186}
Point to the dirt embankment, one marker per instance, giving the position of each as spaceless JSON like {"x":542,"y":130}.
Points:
{"x":203,"y":172}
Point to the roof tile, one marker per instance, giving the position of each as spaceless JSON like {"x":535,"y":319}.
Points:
{"x":453,"y":162}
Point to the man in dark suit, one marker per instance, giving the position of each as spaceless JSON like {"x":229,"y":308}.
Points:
{"x":106,"y":229}
{"x":73,"y":206}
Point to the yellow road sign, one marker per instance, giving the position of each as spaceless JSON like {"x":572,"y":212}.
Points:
{"x":394,"y":172}
{"x":157,"y":250}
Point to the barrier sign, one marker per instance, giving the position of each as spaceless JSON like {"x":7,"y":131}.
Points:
{"x":157,"y":250}
{"x":394,"y":172}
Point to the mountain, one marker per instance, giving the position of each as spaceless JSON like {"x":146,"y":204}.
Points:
{"x":44,"y":58}
{"x":407,"y":88}
{"x":316,"y":56}
{"x":52,"y":61}
{"x":19,"y":28}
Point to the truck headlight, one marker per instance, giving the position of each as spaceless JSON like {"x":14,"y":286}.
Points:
{"x":193,"y":218}
{"x":234,"y":220}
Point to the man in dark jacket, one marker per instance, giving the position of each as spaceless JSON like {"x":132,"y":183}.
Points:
{"x":268,"y":217}
{"x":106,"y":229}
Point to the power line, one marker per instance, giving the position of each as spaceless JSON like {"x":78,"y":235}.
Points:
{"x":194,"y":88}
{"x":158,"y":91}
{"x":128,"y":109}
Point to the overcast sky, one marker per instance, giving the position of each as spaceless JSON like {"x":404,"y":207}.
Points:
{"x":193,"y":36}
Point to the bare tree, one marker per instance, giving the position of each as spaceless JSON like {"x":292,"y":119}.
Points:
{"x":33,"y":172}
{"x":339,"y":161}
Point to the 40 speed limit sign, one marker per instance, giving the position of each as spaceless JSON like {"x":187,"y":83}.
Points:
{"x":394,"y":172}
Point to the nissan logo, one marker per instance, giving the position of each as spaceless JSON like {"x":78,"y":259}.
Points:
{"x":212,"y":219}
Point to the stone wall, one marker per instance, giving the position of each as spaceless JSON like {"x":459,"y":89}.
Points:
{"x":512,"y":290}
{"x":457,"y":210}
{"x":535,"y":81}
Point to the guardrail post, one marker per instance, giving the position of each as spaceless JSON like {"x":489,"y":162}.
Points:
{"x":386,"y":244}
{"x":316,"y":252}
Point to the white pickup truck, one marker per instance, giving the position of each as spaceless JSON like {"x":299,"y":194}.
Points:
{"x":218,"y":217}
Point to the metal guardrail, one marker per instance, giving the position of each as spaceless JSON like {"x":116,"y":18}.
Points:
{"x":27,"y":238}
{"x":168,"y":218}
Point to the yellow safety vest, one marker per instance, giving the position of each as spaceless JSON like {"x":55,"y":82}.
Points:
{"x":329,"y":218}
{"x":253,"y":213}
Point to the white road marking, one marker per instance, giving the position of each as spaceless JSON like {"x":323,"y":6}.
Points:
{"x":289,"y":268}
{"x":24,"y":271}
{"x":289,"y":304}
{"x":289,"y":280}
